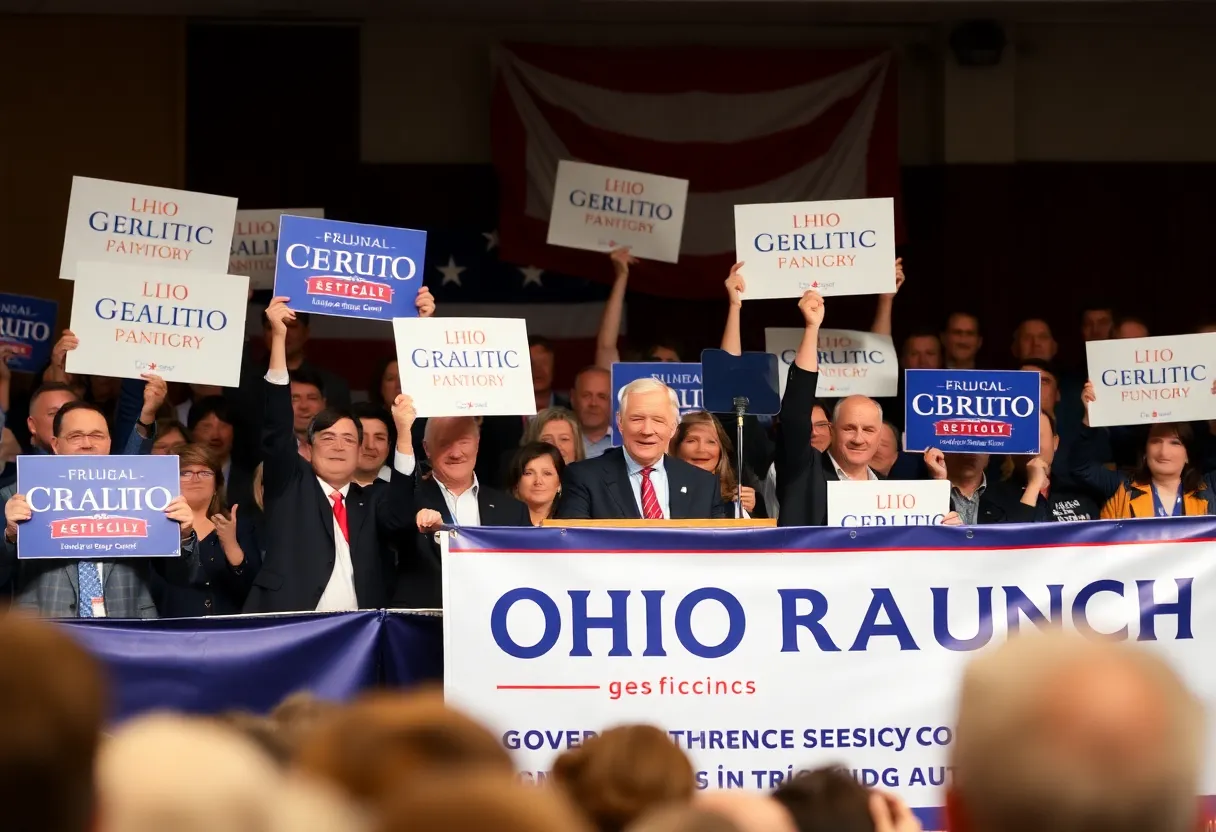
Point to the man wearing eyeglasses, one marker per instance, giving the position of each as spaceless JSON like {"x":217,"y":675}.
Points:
{"x":54,"y":588}
{"x":329,"y":539}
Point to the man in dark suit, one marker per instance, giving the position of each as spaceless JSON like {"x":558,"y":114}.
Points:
{"x":802,"y":470}
{"x":450,"y":495}
{"x":329,"y":540}
{"x":640,"y":481}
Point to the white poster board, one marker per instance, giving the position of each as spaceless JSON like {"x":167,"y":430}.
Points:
{"x":182,"y":325}
{"x":141,"y":225}
{"x":600,"y":209}
{"x":841,"y":247}
{"x":255,"y":243}
{"x":850,"y":362}
{"x":888,"y":502}
{"x":1144,"y":380}
{"x":465,"y":366}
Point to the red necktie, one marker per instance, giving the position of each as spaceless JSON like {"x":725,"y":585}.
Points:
{"x":650,"y":501}
{"x":340,"y":514}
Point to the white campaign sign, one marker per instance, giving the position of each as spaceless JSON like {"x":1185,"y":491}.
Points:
{"x":888,"y":502}
{"x":465,"y":366}
{"x":842,"y":247}
{"x":850,"y":362}
{"x":601,"y":209}
{"x":183,"y":326}
{"x":1145,"y":380}
{"x":763,"y":652}
{"x":141,"y":225}
{"x":255,"y":243}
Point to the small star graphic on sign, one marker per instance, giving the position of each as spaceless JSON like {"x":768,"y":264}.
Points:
{"x":491,"y":239}
{"x":532,"y":275}
{"x":451,"y":272}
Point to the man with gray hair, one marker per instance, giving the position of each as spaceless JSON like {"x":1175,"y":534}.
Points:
{"x":639,"y":480}
{"x":1059,"y":734}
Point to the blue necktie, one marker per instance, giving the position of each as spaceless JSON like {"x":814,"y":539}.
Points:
{"x":90,"y":586}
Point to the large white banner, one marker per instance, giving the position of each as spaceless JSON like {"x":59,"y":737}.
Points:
{"x":888,"y":502}
{"x":141,"y":225}
{"x":843,"y":247}
{"x":466,"y":366}
{"x":181,"y":325}
{"x":763,"y":652}
{"x":850,"y":362}
{"x":255,"y":243}
{"x":601,"y":209}
{"x":1144,"y":380}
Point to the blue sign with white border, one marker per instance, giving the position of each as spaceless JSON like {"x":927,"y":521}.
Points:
{"x":98,"y":507}
{"x":27,"y":325}
{"x":972,"y":411}
{"x":349,"y":270}
{"x":684,"y":378}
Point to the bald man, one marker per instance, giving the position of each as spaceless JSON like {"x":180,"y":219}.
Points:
{"x":803,"y":471}
{"x":1059,"y":733}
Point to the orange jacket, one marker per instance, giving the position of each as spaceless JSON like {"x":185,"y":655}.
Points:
{"x":1136,"y":500}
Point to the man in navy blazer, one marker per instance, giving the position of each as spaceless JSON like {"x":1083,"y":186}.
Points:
{"x":639,"y":480}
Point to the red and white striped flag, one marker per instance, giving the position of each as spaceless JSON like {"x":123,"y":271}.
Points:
{"x":743,"y":126}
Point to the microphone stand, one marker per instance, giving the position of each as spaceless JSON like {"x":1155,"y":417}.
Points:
{"x":740,"y":403}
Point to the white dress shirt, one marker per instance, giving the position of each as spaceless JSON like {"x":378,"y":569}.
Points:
{"x":339,"y":594}
{"x":870,"y":475}
{"x":464,"y":508}
{"x":658,"y":478}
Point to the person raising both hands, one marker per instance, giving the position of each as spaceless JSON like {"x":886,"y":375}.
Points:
{"x":328,"y":539}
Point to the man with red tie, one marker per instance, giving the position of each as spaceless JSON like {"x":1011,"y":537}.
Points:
{"x":329,"y":538}
{"x":639,"y":480}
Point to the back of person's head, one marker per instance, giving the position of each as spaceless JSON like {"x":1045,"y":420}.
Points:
{"x":680,"y":818}
{"x":52,"y":708}
{"x":1061,"y":734}
{"x":299,"y":714}
{"x":164,"y":772}
{"x":371,"y":748}
{"x":750,"y":811}
{"x":827,"y":799}
{"x":624,"y":772}
{"x":262,"y":731}
{"x":475,"y":803}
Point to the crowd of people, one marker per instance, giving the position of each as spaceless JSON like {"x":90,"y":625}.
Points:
{"x":293,"y":498}
{"x":1052,"y":733}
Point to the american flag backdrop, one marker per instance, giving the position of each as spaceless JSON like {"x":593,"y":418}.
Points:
{"x":468,"y":279}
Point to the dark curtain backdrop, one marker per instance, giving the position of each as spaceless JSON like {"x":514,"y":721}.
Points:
{"x":1006,"y":242}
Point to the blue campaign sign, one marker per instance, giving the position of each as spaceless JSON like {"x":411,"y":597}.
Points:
{"x":26,"y":325}
{"x":349,"y":270}
{"x":98,"y":507}
{"x":685,"y":379}
{"x":972,"y":411}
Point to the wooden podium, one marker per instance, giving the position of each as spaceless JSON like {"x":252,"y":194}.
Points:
{"x":661,"y":524}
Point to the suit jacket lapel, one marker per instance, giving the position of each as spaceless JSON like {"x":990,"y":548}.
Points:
{"x":621,"y":490}
{"x":680,"y":501}
{"x":327,"y":510}
{"x":486,"y":510}
{"x":432,"y":498}
{"x":356,"y":511}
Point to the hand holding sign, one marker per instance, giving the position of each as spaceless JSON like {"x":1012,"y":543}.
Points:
{"x":16,"y":510}
{"x":748,"y":496}
{"x":179,"y":512}
{"x":428,"y":520}
{"x":225,"y":530}
{"x":425,"y":302}
{"x":621,"y":261}
{"x":1087,"y":396}
{"x":899,"y":278}
{"x":66,"y":343}
{"x":155,"y":392}
{"x":404,"y":415}
{"x":736,"y":286}
{"x":278,"y":314}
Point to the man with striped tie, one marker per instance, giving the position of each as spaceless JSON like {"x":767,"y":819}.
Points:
{"x":639,"y":480}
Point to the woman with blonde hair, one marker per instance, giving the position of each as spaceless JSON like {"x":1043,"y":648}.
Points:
{"x":559,"y":427}
{"x":701,"y":441}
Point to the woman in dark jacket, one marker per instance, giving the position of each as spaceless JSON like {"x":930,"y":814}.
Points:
{"x":229,"y":554}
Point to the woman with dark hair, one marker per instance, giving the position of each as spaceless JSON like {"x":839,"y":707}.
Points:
{"x":170,"y":434}
{"x":1168,"y":482}
{"x":536,"y":479}
{"x":701,"y":440}
{"x":228,"y":553}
